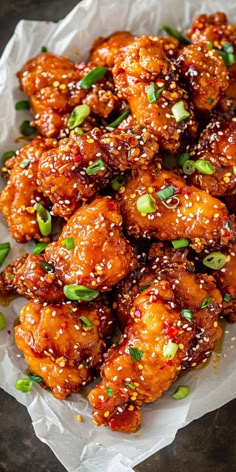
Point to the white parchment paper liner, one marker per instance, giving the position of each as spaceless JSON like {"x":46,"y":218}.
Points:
{"x":83,"y":447}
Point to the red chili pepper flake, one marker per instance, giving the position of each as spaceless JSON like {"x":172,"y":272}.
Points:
{"x":169,"y":363}
{"x":137,"y":313}
{"x":170,"y":330}
{"x":77,"y":158}
{"x":217,"y":31}
{"x":112,"y":423}
{"x":112,"y":205}
{"x":231,"y":290}
{"x":64,"y":325}
{"x":124,"y":424}
{"x":8,"y":331}
{"x":225,"y":233}
{"x":160,"y":82}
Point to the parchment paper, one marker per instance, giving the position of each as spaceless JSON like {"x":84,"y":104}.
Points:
{"x":83,"y":446}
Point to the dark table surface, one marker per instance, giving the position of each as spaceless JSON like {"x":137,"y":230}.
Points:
{"x":207,"y":445}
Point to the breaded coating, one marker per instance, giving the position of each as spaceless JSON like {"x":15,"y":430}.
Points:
{"x":205,"y":75}
{"x":217,"y":145}
{"x":140,"y":368}
{"x":101,"y":256}
{"x":59,"y":347}
{"x":22,"y":192}
{"x":213,"y":29}
{"x":145,"y":63}
{"x":105,"y":50}
{"x":190,"y":213}
{"x":226,"y":281}
{"x":8,"y":276}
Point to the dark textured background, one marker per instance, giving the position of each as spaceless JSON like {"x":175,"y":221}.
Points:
{"x":206,"y":445}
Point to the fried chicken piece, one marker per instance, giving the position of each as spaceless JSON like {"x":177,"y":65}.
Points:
{"x":8,"y":276}
{"x":59,"y":346}
{"x":18,"y":198}
{"x":141,"y":367}
{"x":145,"y":63}
{"x":217,"y":145}
{"x":105,"y":50}
{"x":190,"y":213}
{"x":226,"y":281}
{"x":52,"y":84}
{"x":101,"y":255}
{"x":205,"y":74}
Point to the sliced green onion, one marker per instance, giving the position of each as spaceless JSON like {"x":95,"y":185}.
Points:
{"x":86,"y":322}
{"x":23,"y":105}
{"x":48,"y":267}
{"x":176,"y":34}
{"x":179,"y":112}
{"x":78,"y":115}
{"x":79,"y":131}
{"x":69,"y":243}
{"x":173,"y":203}
{"x":80,"y":292}
{"x":38,"y":248}
{"x":215,"y":260}
{"x":144,"y":287}
{"x":44,"y":49}
{"x":120,"y":118}
{"x":44,"y":219}
{"x":166,"y":192}
{"x":228,"y":58}
{"x":130,"y":385}
{"x":26,"y":129}
{"x":169,"y":350}
{"x":210,"y":100}
{"x":92,"y":77}
{"x":227,"y":226}
{"x":10,"y":276}
{"x":183,"y":158}
{"x":6,"y":155}
{"x":35,"y":378}
{"x":118,"y":182}
{"x":228,"y":48}
{"x":135,"y":354}
{"x":189,"y":167}
{"x":206,"y":302}
{"x":146,"y":204}
{"x":204,"y":167}
{"x":95,"y":167}
{"x":181,"y":392}
{"x":227,"y":297}
{"x":4,"y":251}
{"x":209,"y":46}
{"x":179,"y":243}
{"x":24,"y":163}
{"x":24,"y":385}
{"x":2,"y":321}
{"x":152,"y":93}
{"x":109,"y":392}
{"x":234,"y":170}
{"x":187,"y":314}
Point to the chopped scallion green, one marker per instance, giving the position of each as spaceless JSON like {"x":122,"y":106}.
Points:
{"x":80,"y":292}
{"x":146,"y":204}
{"x":166,"y":192}
{"x":181,"y":392}
{"x":183,"y":158}
{"x":92,"y":77}
{"x":120,"y":118}
{"x":48,"y":267}
{"x":227,"y":297}
{"x":179,"y":243}
{"x":4,"y":251}
{"x":22,"y":105}
{"x":24,"y":163}
{"x":204,"y":167}
{"x":38,"y":248}
{"x":189,"y":167}
{"x":78,"y":115}
{"x":215,"y":260}
{"x":95,"y":167}
{"x":44,"y":219}
{"x":86,"y":322}
{"x":69,"y":243}
{"x":170,"y":350}
{"x":26,"y":129}
{"x":176,"y":34}
{"x":206,"y":302}
{"x":187,"y":314}
{"x":118,"y":182}
{"x":179,"y":112}
{"x":2,"y":321}
{"x":24,"y":385}
{"x":135,"y":354}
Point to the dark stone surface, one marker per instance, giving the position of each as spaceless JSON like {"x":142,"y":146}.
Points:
{"x":206,"y":445}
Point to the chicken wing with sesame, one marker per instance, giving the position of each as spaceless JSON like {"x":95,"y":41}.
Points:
{"x":226,"y":281}
{"x":105,"y":50}
{"x":22,"y":192}
{"x":63,"y":344}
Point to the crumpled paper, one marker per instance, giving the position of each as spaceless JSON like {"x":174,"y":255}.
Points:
{"x":83,"y":447}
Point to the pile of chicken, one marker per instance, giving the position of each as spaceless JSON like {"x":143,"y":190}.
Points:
{"x":141,"y":260}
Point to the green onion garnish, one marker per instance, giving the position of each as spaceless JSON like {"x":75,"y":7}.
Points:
{"x":234,"y":170}
{"x":206,"y":302}
{"x":120,"y":118}
{"x":79,"y":131}
{"x":215,"y":260}
{"x":173,"y":204}
{"x":152,"y":93}
{"x":189,"y":167}
{"x":166,"y":192}
{"x":44,"y":219}
{"x":210,"y":100}
{"x":204,"y":167}
{"x":23,"y":105}
{"x":187,"y":314}
{"x":146,"y":204}
{"x":48,"y":267}
{"x":95,"y":167}
{"x":179,"y":243}
{"x":179,"y":111}
{"x":86,"y":322}
{"x":169,"y":350}
{"x":209,"y":46}
{"x":118,"y":182}
{"x":38,"y":248}
{"x":181,"y":392}
{"x":183,"y":158}
{"x":130,"y":385}
{"x":26,"y":129}
{"x":144,"y":287}
{"x":227,"y":297}
{"x":92,"y":77}
{"x":6,"y":155}
{"x":24,"y":385}
{"x":10,"y":276}
{"x":176,"y":34}
{"x":24,"y":163}
{"x":80,"y":292}
{"x":44,"y":49}
{"x":2,"y":321}
{"x":78,"y":115}
{"x":69,"y":243}
{"x":109,"y":392}
{"x":135,"y":354}
{"x":4,"y":251}
{"x":35,"y":378}
{"x":228,"y":58}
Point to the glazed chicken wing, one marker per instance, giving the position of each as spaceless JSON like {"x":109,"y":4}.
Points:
{"x":22,"y":192}
{"x":64,"y":343}
{"x":105,"y":50}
